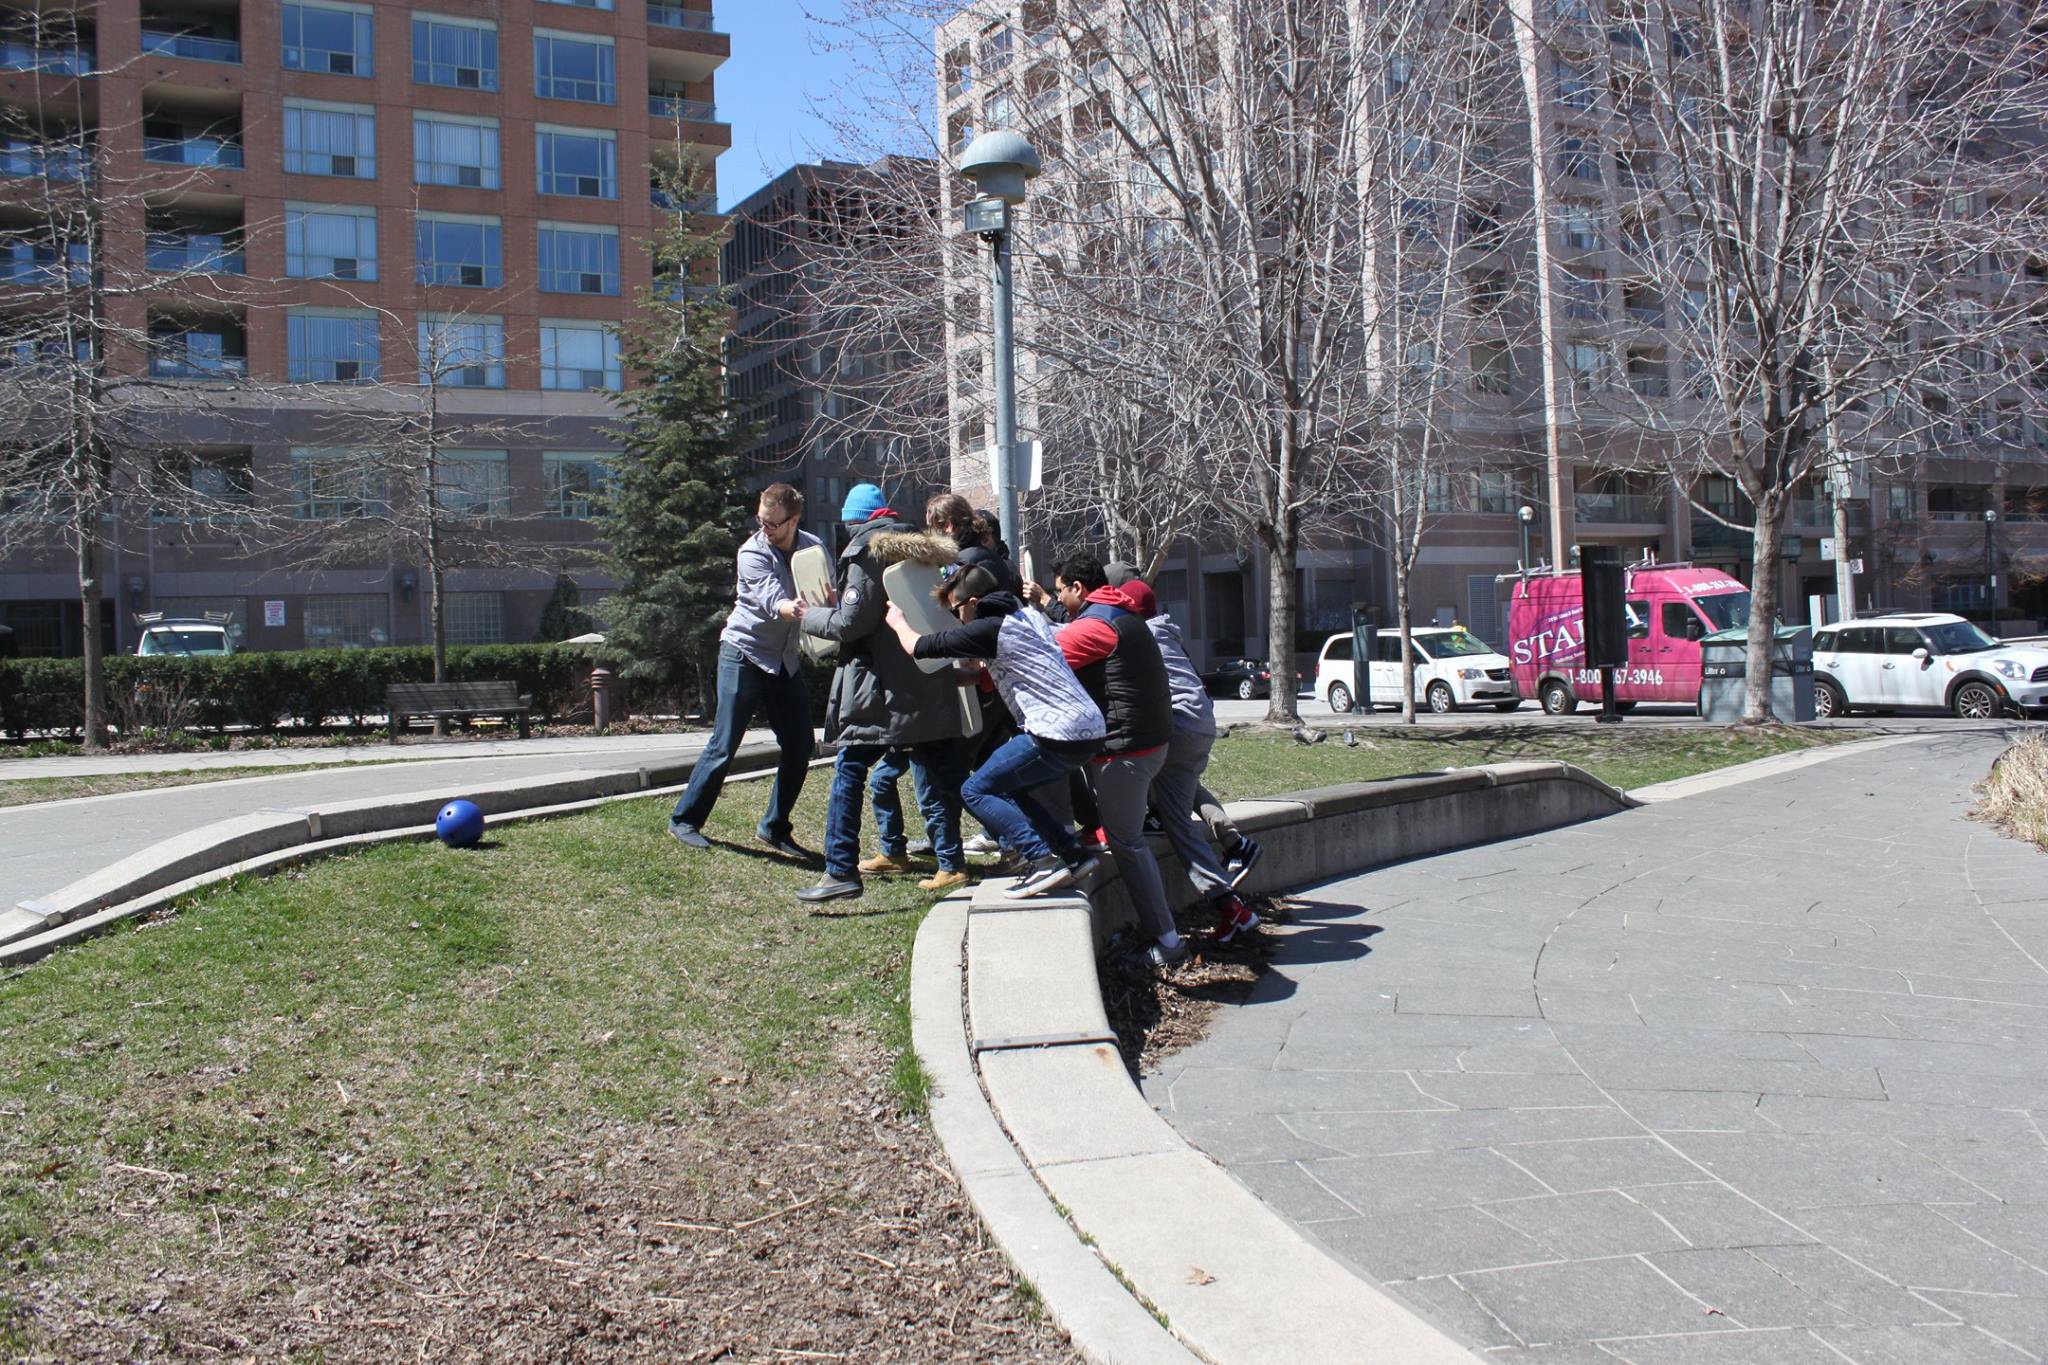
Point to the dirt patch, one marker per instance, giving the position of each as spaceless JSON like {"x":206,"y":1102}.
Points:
{"x":1156,"y":1014}
{"x":2016,"y":793}
{"x":824,"y":1226}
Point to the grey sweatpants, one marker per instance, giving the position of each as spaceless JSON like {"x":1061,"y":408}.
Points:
{"x":1174,"y":795}
{"x":1123,"y":788}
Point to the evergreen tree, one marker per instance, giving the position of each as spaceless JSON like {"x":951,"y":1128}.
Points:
{"x":674,"y":511}
{"x":562,"y":617}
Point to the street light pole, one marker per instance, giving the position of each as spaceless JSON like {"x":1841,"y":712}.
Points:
{"x":999,"y":162}
{"x":1990,"y":576}
{"x":1526,"y":515}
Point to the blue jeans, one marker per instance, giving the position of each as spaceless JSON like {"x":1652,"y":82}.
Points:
{"x":999,"y":794}
{"x":938,"y":766}
{"x":943,"y":831}
{"x":742,"y":691}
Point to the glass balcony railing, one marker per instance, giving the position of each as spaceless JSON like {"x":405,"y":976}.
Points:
{"x":675,"y":16}
{"x":1608,"y":509}
{"x":55,"y":61}
{"x":192,"y":151}
{"x":177,"y":363}
{"x":193,"y":46}
{"x":676,"y":107}
{"x":40,"y":162}
{"x":198,"y":253}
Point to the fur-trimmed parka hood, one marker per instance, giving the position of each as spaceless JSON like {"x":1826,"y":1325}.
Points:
{"x":899,"y":546}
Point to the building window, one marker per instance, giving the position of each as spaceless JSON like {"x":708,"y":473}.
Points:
{"x":582,"y":4}
{"x":579,"y":260}
{"x":1584,"y":291}
{"x":1493,"y":490}
{"x":1578,"y":159}
{"x":474,"y":618}
{"x":1587,"y":365}
{"x":1582,"y":230}
{"x":568,"y":66}
{"x":447,"y":150}
{"x":348,"y":621}
{"x":330,"y":139}
{"x":1898,"y":502}
{"x":332,"y":347}
{"x":1574,"y":90}
{"x":473,"y":483}
{"x":581,"y":162}
{"x":330,"y":243}
{"x":468,"y":253}
{"x":578,"y":355}
{"x":1490,"y":374}
{"x":1437,"y":494}
{"x":334,"y":39}
{"x":462,"y":352}
{"x":331,"y":484}
{"x":462,"y":53}
{"x":572,"y":483}
{"x":1648,"y":376}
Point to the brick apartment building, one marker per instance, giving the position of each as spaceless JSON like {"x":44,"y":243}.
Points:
{"x":356,"y":175}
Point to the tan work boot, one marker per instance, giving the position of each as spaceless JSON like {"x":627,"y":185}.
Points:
{"x":882,"y":865}
{"x":943,"y":880}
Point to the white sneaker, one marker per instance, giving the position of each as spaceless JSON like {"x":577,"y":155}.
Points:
{"x":981,"y":843}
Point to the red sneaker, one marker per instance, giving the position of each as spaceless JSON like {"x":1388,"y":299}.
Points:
{"x":1234,"y":917}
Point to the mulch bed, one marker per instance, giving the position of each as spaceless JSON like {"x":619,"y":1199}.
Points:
{"x":824,"y":1226}
{"x":1157,"y":1014}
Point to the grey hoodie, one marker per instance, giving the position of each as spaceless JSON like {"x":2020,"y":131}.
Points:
{"x":1192,"y":708}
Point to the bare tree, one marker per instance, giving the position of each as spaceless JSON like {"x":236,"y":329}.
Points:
{"x":1817,"y":189}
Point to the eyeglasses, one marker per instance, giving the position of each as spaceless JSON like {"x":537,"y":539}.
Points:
{"x":768,"y":525}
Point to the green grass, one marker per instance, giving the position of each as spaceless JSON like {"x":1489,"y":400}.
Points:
{"x":1261,"y":763}
{"x":451,"y":1016}
{"x":23,"y":791}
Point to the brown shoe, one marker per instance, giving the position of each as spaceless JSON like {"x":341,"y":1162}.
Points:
{"x":882,"y":865}
{"x":943,"y":880}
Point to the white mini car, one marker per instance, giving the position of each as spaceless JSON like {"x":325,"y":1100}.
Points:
{"x":1924,"y":661}
{"x":1453,"y":668}
{"x":161,"y":637}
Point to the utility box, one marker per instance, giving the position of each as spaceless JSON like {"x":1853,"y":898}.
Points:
{"x":1724,"y":669}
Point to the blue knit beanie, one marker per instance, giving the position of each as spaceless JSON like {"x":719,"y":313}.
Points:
{"x":863,"y":500}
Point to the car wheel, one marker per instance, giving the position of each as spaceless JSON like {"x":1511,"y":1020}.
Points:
{"x":1246,"y":689}
{"x":1507,"y":705}
{"x":1977,"y":701}
{"x":1624,"y":707}
{"x":1557,"y":699}
{"x":1440,"y":699}
{"x":1340,"y":697}
{"x":1828,"y":701}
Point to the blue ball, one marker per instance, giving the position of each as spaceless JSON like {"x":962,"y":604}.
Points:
{"x":460,"y":824}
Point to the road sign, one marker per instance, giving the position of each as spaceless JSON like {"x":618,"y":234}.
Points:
{"x":1856,"y":566}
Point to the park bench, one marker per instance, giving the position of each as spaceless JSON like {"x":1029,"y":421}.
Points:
{"x":455,"y":701}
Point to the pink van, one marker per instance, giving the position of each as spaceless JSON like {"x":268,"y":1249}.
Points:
{"x":1670,"y":608}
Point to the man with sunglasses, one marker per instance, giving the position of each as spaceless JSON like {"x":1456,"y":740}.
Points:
{"x":759,"y":670}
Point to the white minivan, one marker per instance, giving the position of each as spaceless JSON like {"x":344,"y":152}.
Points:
{"x":1453,"y":668}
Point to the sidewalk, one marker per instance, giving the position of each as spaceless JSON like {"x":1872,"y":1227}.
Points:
{"x":1755,"y":1075}
{"x":43,"y":847}
{"x":416,"y":749}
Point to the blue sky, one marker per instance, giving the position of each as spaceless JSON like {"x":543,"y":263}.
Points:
{"x":765,"y":89}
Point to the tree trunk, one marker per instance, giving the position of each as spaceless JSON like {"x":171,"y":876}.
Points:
{"x":1845,"y":581}
{"x":1763,"y":608}
{"x":89,"y":625}
{"x":1281,"y":606}
{"x":1404,"y":617}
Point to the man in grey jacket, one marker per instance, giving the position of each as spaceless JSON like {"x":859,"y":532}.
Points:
{"x":881,"y":699}
{"x":758,"y":670}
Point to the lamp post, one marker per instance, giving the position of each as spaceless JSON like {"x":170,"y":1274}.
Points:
{"x":999,"y":162}
{"x":1526,"y":515}
{"x":1990,"y":576}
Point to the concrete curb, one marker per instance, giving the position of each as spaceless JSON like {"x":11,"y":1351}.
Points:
{"x":1737,"y":774}
{"x":1230,"y":1279}
{"x":267,"y":839}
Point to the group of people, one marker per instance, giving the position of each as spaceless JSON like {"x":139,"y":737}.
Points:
{"x":1089,"y":706}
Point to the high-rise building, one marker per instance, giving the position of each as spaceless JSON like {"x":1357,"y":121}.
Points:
{"x":817,"y":394}
{"x":368,"y":183}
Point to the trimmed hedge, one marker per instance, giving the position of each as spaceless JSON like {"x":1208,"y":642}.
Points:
{"x":314,"y":686}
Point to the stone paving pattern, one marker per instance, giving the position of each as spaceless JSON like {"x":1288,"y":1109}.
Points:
{"x":1753,"y":1076}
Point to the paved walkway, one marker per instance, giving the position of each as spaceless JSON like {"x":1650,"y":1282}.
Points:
{"x":44,"y":847}
{"x":1760,"y":1075}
